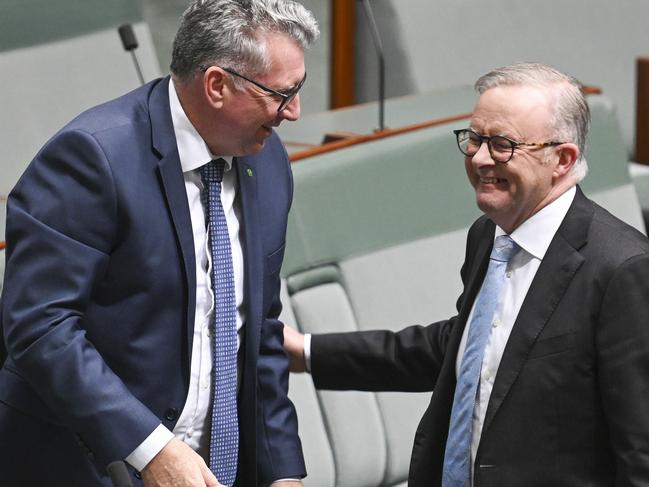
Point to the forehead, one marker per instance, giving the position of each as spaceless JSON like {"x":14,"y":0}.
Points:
{"x":517,"y":111}
{"x":286,"y":60}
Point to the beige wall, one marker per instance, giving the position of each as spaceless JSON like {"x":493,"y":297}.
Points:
{"x":434,"y":44}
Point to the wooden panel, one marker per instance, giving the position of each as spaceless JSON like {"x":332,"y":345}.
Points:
{"x":342,"y":53}
{"x":642,"y":111}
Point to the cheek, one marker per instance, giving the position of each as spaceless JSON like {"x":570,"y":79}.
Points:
{"x":470,"y":172}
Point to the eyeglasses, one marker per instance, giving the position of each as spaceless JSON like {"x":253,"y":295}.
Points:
{"x":501,"y":148}
{"x":286,"y":97}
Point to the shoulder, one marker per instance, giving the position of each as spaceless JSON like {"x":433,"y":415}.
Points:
{"x":610,"y":250}
{"x":614,"y":239}
{"x":108,"y":132}
{"x":123,"y":113}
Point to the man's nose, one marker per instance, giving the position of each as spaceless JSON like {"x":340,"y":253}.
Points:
{"x":292,"y":111}
{"x":483,"y":156}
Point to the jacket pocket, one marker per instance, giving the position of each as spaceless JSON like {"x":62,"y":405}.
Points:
{"x":553,"y":345}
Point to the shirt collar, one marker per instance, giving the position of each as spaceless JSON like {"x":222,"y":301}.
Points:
{"x":535,"y":234}
{"x":192,"y":149}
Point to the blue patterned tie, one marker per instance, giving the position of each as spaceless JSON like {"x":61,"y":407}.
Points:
{"x":457,"y":459}
{"x":224,"y":439}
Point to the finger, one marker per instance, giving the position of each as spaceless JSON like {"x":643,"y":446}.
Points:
{"x":208,"y":476}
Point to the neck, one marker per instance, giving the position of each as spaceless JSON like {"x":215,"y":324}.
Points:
{"x":196,"y":109}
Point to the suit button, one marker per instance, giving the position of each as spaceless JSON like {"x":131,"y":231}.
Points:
{"x":171,"y":414}
{"x":91,"y":455}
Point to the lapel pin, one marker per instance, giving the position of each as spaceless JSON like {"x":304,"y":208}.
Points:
{"x":249,"y":172}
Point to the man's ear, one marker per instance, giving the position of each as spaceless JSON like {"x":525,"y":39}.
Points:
{"x":568,"y":154}
{"x":215,"y":86}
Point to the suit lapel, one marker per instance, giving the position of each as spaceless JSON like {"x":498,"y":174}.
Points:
{"x":173,"y":187}
{"x":555,"y":273}
{"x":252,"y":251}
{"x":476,"y":266}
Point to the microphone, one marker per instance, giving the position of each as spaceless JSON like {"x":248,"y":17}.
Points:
{"x":129,"y":41}
{"x":374,"y":31}
{"x":118,"y":474}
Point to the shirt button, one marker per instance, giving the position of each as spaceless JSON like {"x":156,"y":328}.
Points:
{"x":495,"y":323}
{"x":205,"y":384}
{"x":190,"y":432}
{"x":509,"y":274}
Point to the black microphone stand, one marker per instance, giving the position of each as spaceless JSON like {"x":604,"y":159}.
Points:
{"x":374,"y":31}
{"x":129,"y":41}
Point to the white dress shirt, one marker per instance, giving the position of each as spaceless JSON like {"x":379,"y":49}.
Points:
{"x":194,"y":421}
{"x":533,"y":236}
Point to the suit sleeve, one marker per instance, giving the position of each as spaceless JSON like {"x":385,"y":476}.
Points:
{"x":381,"y":360}
{"x":60,"y":232}
{"x":623,"y":364}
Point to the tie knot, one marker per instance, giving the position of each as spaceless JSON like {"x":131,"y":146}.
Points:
{"x":504,"y":248}
{"x":212,"y":172}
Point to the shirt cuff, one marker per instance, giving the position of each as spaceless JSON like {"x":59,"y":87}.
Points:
{"x":307,"y":352}
{"x":149,"y":448}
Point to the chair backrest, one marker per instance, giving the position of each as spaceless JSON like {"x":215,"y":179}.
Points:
{"x":58,"y":59}
{"x":608,"y":181}
{"x":365,"y":232}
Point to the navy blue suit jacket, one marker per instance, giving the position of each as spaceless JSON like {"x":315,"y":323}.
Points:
{"x":99,"y":298}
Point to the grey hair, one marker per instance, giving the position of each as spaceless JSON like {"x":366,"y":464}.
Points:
{"x":571,"y":115}
{"x":232,"y":34}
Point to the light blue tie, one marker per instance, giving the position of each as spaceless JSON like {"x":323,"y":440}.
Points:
{"x":224,"y":438}
{"x":457,"y":458}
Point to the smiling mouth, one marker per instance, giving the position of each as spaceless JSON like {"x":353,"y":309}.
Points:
{"x":484,"y":180}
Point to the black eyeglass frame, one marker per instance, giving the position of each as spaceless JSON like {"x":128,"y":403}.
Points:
{"x":286,"y":97}
{"x":514,"y":145}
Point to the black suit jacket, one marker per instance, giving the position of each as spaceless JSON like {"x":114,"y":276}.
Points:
{"x":570,"y":402}
{"x":99,"y":299}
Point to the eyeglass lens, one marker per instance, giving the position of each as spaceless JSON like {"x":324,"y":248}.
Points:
{"x":501,"y":149}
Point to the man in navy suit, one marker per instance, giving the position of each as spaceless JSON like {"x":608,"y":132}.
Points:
{"x":562,"y":385}
{"x":108,"y":301}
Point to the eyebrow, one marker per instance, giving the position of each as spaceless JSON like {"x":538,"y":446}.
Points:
{"x":500,"y":133}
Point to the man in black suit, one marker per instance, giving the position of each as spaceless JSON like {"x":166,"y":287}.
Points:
{"x":563,"y":383}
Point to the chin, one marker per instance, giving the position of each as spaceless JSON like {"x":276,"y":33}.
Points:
{"x":490,"y":203}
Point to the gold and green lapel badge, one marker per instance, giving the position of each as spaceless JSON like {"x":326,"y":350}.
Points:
{"x":249,"y":172}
